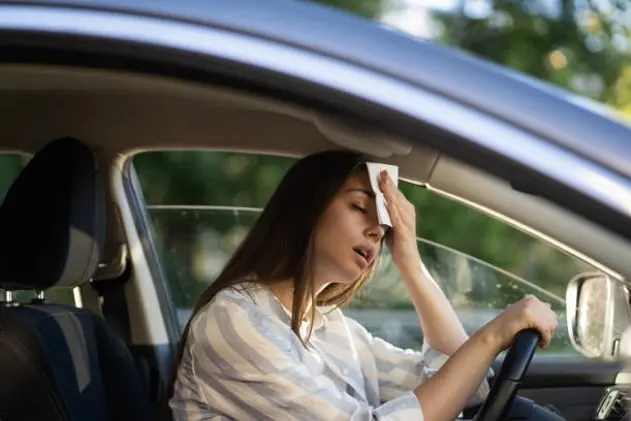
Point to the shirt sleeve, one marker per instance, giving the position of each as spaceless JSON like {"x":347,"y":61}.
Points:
{"x":401,"y":370}
{"x":248,"y":365}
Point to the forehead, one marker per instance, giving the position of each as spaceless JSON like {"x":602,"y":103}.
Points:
{"x":359,"y":180}
{"x":357,"y":185}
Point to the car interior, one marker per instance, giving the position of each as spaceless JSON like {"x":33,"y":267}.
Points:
{"x":72,"y":219}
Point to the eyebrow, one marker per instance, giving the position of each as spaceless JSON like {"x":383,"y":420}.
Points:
{"x":368,"y":193}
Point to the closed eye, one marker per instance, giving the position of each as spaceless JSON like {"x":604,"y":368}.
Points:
{"x":359,"y":208}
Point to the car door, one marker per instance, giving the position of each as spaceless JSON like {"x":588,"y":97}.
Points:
{"x":461,"y":107}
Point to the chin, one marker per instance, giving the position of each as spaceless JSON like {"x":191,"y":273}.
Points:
{"x":349,"y":277}
{"x":342,"y":274}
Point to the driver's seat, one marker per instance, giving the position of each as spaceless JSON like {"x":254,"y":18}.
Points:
{"x":59,"y":362}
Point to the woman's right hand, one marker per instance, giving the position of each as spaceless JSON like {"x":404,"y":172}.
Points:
{"x":445,"y":393}
{"x":527,"y":313}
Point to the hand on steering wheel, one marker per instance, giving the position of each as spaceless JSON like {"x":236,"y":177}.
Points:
{"x":509,"y":378}
{"x":523,"y":326}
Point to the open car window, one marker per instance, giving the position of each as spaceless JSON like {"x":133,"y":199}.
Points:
{"x":201,"y":204}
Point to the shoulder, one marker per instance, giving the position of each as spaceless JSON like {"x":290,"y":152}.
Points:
{"x":356,"y":328}
{"x":239,"y":305}
{"x":346,"y":326}
{"x":238,"y":325}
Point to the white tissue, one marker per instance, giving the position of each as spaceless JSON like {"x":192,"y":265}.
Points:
{"x":374,"y":169}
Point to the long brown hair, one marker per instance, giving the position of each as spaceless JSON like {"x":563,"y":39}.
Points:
{"x":280,"y":244}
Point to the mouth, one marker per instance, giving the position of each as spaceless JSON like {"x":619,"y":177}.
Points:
{"x":365,"y":253}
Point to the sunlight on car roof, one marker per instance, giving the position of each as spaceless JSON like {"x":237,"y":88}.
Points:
{"x":601,"y":109}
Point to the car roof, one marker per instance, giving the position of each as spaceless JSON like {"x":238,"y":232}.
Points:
{"x":517,"y":98}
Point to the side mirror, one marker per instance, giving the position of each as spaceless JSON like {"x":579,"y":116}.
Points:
{"x":598,"y":313}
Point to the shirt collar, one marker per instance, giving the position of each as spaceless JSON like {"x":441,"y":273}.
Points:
{"x":278,"y":307}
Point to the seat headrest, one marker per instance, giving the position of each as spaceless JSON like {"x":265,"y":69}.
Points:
{"x":52,"y":220}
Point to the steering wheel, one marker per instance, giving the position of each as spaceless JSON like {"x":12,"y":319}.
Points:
{"x":508,"y":380}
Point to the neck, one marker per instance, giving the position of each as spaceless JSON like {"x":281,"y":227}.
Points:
{"x":284,"y":291}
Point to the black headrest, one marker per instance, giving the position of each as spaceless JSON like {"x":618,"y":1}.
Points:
{"x":52,"y":220}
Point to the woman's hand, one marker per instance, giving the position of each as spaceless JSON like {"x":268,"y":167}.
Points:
{"x":528,"y":313}
{"x":401,"y":239}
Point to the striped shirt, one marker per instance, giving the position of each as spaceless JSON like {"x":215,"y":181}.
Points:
{"x":242,"y":362}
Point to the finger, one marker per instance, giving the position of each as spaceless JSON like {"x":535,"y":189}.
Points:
{"x":394,"y":212}
{"x":546,"y":337}
{"x":542,"y":338}
{"x":553,"y":319}
{"x":552,"y":323}
{"x":397,"y":194}
{"x":387,"y":187}
{"x":396,"y":201}
{"x":391,"y":200}
{"x":551,"y":329}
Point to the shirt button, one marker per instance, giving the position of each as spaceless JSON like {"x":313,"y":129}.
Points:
{"x":345,"y":371}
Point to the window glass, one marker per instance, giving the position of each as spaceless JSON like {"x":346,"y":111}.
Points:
{"x":202,"y":204}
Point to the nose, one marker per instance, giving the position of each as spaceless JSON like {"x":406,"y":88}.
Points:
{"x":376,"y":232}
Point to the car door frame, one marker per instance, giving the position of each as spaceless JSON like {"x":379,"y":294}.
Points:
{"x":273,"y":67}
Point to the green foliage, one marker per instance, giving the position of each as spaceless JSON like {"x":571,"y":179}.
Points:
{"x":622,"y":92}
{"x":370,"y":9}
{"x":571,"y":47}
{"x":192,"y":178}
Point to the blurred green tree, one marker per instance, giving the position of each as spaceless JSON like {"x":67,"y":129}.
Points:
{"x":572,"y":44}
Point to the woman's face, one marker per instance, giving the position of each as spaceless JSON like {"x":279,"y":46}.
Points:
{"x":348,"y":236}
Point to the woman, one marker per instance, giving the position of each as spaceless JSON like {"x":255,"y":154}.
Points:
{"x":268,"y":342}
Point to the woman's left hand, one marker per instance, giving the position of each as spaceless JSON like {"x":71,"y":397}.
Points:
{"x":401,"y":239}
